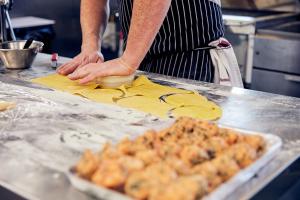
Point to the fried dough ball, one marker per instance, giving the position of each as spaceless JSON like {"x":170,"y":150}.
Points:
{"x":140,"y":184}
{"x":87,"y":165}
{"x":206,"y":129}
{"x":126,"y":147}
{"x":231,"y":137}
{"x":184,"y":124}
{"x":214,"y":146}
{"x":131,"y":164}
{"x":193,"y":155}
{"x":179,"y":166}
{"x":243,"y":154}
{"x":147,"y":139}
{"x":210,"y":173}
{"x":226,"y":166}
{"x":183,"y":188}
{"x":109,"y":152}
{"x":165,"y":134}
{"x":162,"y":172}
{"x":4,"y":105}
{"x":148,"y":156}
{"x":110,"y":174}
{"x":257,"y":142}
{"x":187,"y":141}
{"x":168,"y":149}
{"x":190,"y":139}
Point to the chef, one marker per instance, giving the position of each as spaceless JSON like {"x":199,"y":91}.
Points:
{"x":169,"y":37}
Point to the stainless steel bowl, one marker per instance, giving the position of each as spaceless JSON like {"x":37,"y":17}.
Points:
{"x":14,"y":56}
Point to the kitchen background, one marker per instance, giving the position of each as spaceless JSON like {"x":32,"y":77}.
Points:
{"x":264,"y":33}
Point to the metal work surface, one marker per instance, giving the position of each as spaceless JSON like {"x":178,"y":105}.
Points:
{"x":45,"y":134}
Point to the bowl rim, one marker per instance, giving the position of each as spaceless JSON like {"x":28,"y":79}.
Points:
{"x":34,"y":41}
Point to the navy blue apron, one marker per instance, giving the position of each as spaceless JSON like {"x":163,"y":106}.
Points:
{"x":190,"y":25}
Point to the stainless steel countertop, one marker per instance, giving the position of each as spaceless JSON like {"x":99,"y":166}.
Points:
{"x":44,"y":135}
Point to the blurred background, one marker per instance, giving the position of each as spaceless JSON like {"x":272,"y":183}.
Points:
{"x":59,"y":27}
{"x":265,"y":35}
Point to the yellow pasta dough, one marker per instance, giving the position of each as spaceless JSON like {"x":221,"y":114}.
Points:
{"x":143,"y":86}
{"x":207,"y":111}
{"x":143,"y":95}
{"x":146,"y":104}
{"x":191,"y":99}
{"x":63,"y":83}
{"x":102,"y":95}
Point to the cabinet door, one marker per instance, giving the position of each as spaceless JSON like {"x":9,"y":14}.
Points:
{"x":275,"y":82}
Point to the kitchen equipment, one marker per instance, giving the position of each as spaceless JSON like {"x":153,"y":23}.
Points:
{"x":241,"y":27}
{"x":54,"y":60}
{"x":255,"y":4}
{"x":276,"y":59}
{"x":5,"y":21}
{"x":14,"y":56}
{"x":266,"y":43}
{"x":28,"y":43}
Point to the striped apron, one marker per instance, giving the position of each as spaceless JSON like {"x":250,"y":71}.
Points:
{"x":180,"y":47}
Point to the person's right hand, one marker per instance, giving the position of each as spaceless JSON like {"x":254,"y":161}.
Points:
{"x":82,"y":59}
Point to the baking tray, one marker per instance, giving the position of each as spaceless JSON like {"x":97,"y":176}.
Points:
{"x":273,"y":146}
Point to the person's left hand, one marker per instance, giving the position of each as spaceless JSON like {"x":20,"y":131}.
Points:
{"x":90,"y":72}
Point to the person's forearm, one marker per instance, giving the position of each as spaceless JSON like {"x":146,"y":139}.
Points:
{"x":147,"y":18}
{"x":93,"y":19}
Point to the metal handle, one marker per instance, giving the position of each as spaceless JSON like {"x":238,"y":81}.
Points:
{"x":38,"y":50}
{"x":3,"y":33}
{"x":41,"y":48}
{"x":11,"y":30}
{"x":292,"y":78}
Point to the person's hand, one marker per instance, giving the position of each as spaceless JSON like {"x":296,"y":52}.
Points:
{"x":82,"y":59}
{"x":93,"y":71}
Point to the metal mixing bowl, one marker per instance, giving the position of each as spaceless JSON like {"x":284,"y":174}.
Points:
{"x":14,"y":56}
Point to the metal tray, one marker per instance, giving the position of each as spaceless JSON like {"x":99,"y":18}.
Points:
{"x":273,"y":146}
{"x":224,"y":191}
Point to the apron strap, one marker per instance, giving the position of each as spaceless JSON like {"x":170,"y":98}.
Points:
{"x":227,"y":71}
{"x":216,"y":1}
